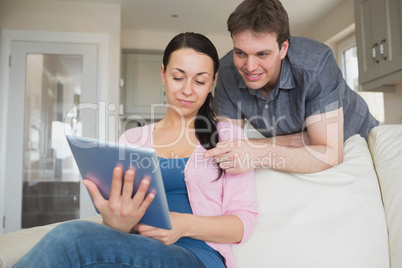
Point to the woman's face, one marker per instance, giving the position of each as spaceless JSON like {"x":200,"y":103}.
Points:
{"x":188,"y":78}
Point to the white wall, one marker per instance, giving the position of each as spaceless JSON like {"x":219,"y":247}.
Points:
{"x":64,"y":16}
{"x":392,"y":106}
{"x":133,"y":39}
{"x":333,"y":24}
{"x":338,"y":24}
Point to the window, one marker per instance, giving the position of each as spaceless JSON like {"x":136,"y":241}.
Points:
{"x":347,"y":57}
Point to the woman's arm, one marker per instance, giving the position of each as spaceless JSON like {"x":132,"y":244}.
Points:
{"x":224,"y":229}
{"x":235,"y":225}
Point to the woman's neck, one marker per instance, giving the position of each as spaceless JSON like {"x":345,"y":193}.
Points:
{"x":175,"y":120}
{"x":174,"y":137}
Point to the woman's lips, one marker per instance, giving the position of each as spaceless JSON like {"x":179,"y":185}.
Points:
{"x":185,"y":102}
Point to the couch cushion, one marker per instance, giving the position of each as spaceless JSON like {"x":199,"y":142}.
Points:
{"x":385,"y":143}
{"x":333,"y":218}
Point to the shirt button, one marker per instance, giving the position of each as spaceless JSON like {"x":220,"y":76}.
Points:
{"x":266,"y":106}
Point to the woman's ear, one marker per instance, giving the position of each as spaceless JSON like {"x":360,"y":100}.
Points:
{"x":163,"y":75}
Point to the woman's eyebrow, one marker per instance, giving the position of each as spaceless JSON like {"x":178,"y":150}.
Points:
{"x":182,"y":71}
{"x":201,"y":73}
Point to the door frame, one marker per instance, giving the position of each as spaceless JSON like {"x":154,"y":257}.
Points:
{"x":6,"y":38}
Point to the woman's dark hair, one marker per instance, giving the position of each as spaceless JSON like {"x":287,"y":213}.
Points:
{"x":260,"y":17}
{"x":205,"y":122}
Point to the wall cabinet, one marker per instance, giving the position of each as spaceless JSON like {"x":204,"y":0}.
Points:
{"x":379,"y":41}
{"x":143,"y":96}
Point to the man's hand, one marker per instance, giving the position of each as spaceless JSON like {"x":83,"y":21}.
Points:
{"x":121,"y":211}
{"x":236,"y":156}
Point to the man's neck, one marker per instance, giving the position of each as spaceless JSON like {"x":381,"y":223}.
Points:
{"x":266,"y":90}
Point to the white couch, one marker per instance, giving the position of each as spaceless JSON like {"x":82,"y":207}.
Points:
{"x":336,"y":218}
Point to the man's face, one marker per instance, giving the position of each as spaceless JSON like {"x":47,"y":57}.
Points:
{"x":258,"y":59}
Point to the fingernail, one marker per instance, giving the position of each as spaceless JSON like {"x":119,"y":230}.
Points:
{"x":117,"y":171}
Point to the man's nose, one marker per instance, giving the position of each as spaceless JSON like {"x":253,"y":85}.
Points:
{"x":251,"y":64}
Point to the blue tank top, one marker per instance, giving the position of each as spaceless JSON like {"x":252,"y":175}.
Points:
{"x":172,"y":170}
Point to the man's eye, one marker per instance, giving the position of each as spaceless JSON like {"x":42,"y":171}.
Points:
{"x":263,"y":55}
{"x":240,"y":54}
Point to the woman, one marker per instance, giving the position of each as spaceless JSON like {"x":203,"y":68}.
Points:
{"x":208,"y":209}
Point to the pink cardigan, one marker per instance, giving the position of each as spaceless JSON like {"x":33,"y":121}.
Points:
{"x":232,"y":194}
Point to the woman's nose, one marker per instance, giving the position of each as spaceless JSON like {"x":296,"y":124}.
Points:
{"x":188,"y":88}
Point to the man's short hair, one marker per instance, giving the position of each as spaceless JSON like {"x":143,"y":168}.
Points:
{"x":260,"y":17}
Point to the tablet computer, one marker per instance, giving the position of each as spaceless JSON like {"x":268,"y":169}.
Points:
{"x":96,"y":161}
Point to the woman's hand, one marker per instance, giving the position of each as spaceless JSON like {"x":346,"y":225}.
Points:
{"x":121,"y":211}
{"x":167,"y":237}
{"x":222,"y":229}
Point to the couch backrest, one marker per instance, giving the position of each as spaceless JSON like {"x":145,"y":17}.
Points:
{"x":332,"y":218}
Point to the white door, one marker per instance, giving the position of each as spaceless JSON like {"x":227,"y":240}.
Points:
{"x":48,"y":81}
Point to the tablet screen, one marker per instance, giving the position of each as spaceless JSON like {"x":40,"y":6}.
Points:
{"x":96,"y":161}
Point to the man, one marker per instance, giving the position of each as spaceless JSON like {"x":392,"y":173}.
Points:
{"x":283,"y":85}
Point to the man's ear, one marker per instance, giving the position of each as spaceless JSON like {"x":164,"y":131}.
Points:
{"x":284,"y":49}
{"x":163,"y":75}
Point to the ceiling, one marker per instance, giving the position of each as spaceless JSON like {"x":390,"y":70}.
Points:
{"x":203,"y":16}
{"x":208,"y":16}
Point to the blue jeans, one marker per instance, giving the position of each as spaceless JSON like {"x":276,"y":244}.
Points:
{"x":88,"y":244}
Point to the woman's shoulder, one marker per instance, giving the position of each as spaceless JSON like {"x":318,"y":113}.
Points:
{"x":228,"y":130}
{"x":140,"y":136}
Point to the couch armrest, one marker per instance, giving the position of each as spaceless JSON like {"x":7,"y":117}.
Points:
{"x":14,"y":245}
{"x":385,"y":143}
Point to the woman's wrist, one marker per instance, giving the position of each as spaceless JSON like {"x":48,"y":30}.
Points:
{"x":185,"y":223}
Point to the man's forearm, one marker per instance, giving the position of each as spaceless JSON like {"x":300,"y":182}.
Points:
{"x":291,"y":140}
{"x":303,"y":159}
{"x":318,"y":148}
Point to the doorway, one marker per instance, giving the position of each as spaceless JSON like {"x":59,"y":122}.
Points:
{"x":47,"y":81}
